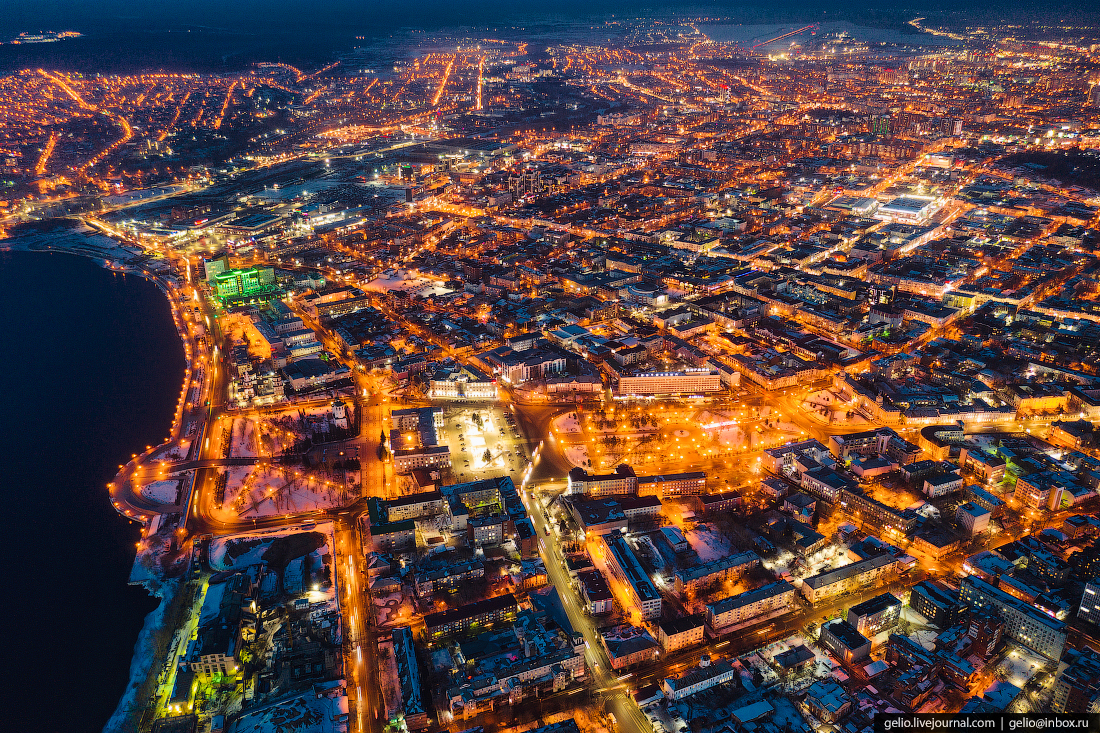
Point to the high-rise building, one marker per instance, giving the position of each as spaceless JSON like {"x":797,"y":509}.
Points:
{"x":1090,"y":603}
{"x":624,"y":565}
{"x":1024,"y":623}
{"x":1077,"y":686}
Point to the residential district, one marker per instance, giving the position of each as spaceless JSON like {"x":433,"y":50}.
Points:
{"x":647,"y":377}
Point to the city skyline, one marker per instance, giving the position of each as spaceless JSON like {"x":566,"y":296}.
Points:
{"x":599,"y":374}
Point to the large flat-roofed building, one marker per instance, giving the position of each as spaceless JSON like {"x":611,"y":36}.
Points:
{"x":971,"y":517}
{"x":414,"y":439}
{"x":942,"y":484}
{"x":875,"y":614}
{"x":936,"y":602}
{"x":335,"y":302}
{"x":471,"y":147}
{"x":314,"y":372}
{"x":977,"y":495}
{"x":673,"y":484}
{"x":250,"y":224}
{"x":883,"y":517}
{"x":426,"y":420}
{"x":390,"y":536}
{"x":681,"y":632}
{"x":408,"y":674}
{"x":628,"y":645}
{"x":699,"y":679}
{"x":624,"y":565}
{"x":451,"y":576}
{"x":936,"y":541}
{"x":796,"y":458}
{"x":724,"y":502}
{"x":481,"y":492}
{"x":824,"y":483}
{"x":908,"y":210}
{"x":486,"y":530}
{"x":1023,"y":622}
{"x":938,"y":439}
{"x":517,"y":367}
{"x":695,"y":381}
{"x":640,"y":508}
{"x":463,"y":383}
{"x":597,"y":596}
{"x":623,"y":481}
{"x":414,"y":506}
{"x":701,"y":576}
{"x":406,"y":460}
{"x":598,"y":516}
{"x":738,"y":609}
{"x":868,"y":442}
{"x":480,"y":613}
{"x":844,"y":640}
{"x":989,"y":467}
{"x":862,"y":574}
{"x":251,"y":282}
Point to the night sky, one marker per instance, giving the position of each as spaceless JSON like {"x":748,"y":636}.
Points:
{"x":122,"y":36}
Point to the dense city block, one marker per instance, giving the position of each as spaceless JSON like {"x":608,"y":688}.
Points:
{"x":640,"y":377}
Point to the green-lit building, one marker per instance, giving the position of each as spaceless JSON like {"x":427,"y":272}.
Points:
{"x":243,"y":284}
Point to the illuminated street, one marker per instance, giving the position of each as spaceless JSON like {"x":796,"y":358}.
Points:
{"x":633,"y":376}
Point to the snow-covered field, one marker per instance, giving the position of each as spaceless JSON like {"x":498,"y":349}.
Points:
{"x":164,"y":492}
{"x":170,"y":452}
{"x":479,"y":464}
{"x":228,"y":553}
{"x":566,"y":423}
{"x":263,"y":491}
{"x":709,"y":544}
{"x":577,"y":455}
{"x":728,"y":437}
{"x":237,"y":477}
{"x":307,"y":712}
{"x":826,"y":559}
{"x":294,"y":576}
{"x":392,"y":608}
{"x":786,"y":715}
{"x":301,"y":574}
{"x":836,"y":409}
{"x":402,"y":283}
{"x":569,"y":424}
{"x":1020,"y":665}
{"x":708,"y":418}
{"x":244,"y":439}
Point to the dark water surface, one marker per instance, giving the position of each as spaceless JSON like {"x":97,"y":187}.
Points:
{"x":90,"y":369}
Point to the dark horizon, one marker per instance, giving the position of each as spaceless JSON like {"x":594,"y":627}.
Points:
{"x":181,"y":36}
{"x":355,"y":18}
